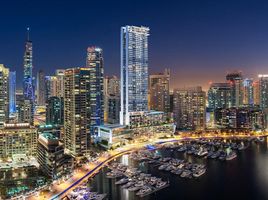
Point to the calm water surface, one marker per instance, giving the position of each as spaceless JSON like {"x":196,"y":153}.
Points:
{"x":245,"y":177}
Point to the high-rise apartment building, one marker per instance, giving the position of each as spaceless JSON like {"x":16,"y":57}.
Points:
{"x":12,"y":93}
{"x":219,"y":96}
{"x":77,"y":110}
{"x":95,"y":63}
{"x":189,"y":108}
{"x":263,"y":86}
{"x":159,"y":91}
{"x":51,"y":86}
{"x":4,"y":94}
{"x":235,"y":80}
{"x":111,"y":99}
{"x":256,"y":92}
{"x":60,"y":82}
{"x":134,"y":71}
{"x":248,"y":92}
{"x":25,"y":111}
{"x":41,"y":88}
{"x":54,"y":111}
{"x":28,"y":86}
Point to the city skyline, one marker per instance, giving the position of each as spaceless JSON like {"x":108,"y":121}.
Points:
{"x":215,"y":37}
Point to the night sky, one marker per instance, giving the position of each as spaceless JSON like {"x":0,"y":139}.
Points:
{"x":199,"y":40}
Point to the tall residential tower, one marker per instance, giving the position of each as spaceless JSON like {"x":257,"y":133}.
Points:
{"x":28,"y":88}
{"x":134,"y":71}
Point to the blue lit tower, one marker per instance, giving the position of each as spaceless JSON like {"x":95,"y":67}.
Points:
{"x":12,"y":92}
{"x":95,"y":64}
{"x":28,"y":88}
{"x":134,"y":71}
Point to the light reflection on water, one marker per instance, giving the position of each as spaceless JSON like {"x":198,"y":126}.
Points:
{"x":246,"y":177}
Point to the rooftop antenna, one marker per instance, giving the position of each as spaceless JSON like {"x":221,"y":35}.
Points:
{"x":28,"y":33}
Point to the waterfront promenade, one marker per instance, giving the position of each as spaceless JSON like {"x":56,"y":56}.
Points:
{"x":82,"y":174}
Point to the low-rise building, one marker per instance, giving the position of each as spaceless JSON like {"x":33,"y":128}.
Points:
{"x":50,"y":156}
{"x":18,"y":139}
{"x":240,"y":119}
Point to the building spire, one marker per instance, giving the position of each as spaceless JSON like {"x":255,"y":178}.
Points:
{"x":28,"y":33}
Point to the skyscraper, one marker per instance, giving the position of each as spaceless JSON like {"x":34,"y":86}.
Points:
{"x":263,"y":85}
{"x":54,"y":111}
{"x":4,"y":94}
{"x":12,"y":92}
{"x":256,"y":92}
{"x":28,"y":87}
{"x":235,"y":79}
{"x":51,"y":87}
{"x":248,"y":92}
{"x":95,"y":64}
{"x":25,"y":111}
{"x":111,"y":99}
{"x":41,"y":88}
{"x":159,"y":91}
{"x":60,"y":82}
{"x":219,"y":96}
{"x":134,"y":71}
{"x":189,"y":108}
{"x":77,"y":110}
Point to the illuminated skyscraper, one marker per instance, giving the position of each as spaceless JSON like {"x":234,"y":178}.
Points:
{"x":51,"y":87}
{"x":28,"y":87}
{"x":41,"y":88}
{"x":12,"y":92}
{"x":111,"y":99}
{"x":219,"y":96}
{"x":77,"y":110}
{"x":134,"y":71}
{"x":95,"y":63}
{"x":235,"y":79}
{"x":4,"y":94}
{"x":263,"y":85}
{"x":159,"y":91}
{"x":60,"y":82}
{"x":248,"y":93}
{"x":256,"y":92}
{"x":54,"y":111}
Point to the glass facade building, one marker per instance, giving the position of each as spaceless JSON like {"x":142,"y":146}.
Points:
{"x":28,"y":87}
{"x":12,"y":92}
{"x":95,"y":64}
{"x":134,"y":71}
{"x":4,"y":94}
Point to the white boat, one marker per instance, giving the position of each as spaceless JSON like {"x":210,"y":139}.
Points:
{"x":199,"y":172}
{"x":121,"y":181}
{"x":231,"y":156}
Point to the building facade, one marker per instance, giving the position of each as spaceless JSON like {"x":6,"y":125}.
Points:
{"x":219,"y":96}
{"x":4,"y":95}
{"x":134,"y":71}
{"x":41,"y":88}
{"x":28,"y":86}
{"x":25,"y":110}
{"x":111,"y":99}
{"x":95,"y":65}
{"x":18,"y":139}
{"x":248,"y":118}
{"x":12,"y":93}
{"x":77,"y":111}
{"x":189,"y":106}
{"x":51,"y":158}
{"x":55,"y":111}
{"x":159,"y":98}
{"x":248,"y":92}
{"x":235,"y":80}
